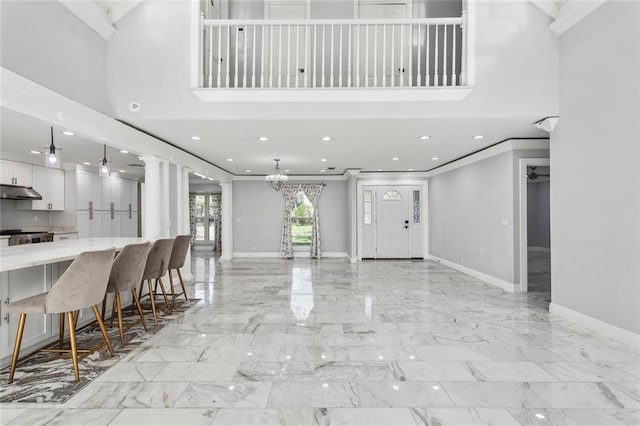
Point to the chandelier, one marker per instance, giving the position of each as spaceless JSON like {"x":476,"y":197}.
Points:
{"x":276,"y":178}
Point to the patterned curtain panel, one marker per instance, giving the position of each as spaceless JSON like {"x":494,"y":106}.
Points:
{"x":192,"y":217}
{"x":313,"y":191}
{"x":289,"y":192}
{"x":216,"y":204}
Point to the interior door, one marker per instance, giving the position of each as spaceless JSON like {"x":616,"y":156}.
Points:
{"x":392,"y":55}
{"x":392,"y":227}
{"x":204,"y":219}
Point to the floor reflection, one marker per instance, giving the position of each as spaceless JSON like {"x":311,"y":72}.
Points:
{"x":301,"y":292}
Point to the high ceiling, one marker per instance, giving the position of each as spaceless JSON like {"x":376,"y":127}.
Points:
{"x":365,"y":144}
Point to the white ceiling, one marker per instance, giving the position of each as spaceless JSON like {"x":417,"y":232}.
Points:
{"x":20,"y":134}
{"x":365,"y":144}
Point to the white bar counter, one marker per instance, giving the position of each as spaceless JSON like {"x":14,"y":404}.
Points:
{"x":31,"y":269}
{"x":27,"y":255}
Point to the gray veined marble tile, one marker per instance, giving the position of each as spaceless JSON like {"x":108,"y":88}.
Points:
{"x":312,"y":394}
{"x":263,"y":417}
{"x":275,"y":371}
{"x":431,"y":371}
{"x":402,"y":394}
{"x":493,"y":395}
{"x":164,"y":416}
{"x":225,"y":394}
{"x":240,"y":353}
{"x":508,"y":372}
{"x":353,"y":371}
{"x":132,"y":372}
{"x":363,"y":416}
{"x":66,"y":417}
{"x":464,"y":416}
{"x":592,"y":372}
{"x":154,"y":395}
{"x":197,"y":372}
{"x":576,"y":417}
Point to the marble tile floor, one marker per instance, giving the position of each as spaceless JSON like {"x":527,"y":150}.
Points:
{"x":327,"y":342}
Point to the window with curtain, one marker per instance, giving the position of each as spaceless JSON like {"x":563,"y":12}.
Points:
{"x":301,"y":220}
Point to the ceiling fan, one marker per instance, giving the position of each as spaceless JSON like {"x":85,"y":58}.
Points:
{"x":532,"y":175}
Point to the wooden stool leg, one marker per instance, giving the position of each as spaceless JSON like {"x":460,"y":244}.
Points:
{"x":76,"y":314}
{"x":164,"y":293}
{"x":61,"y":335}
{"x":16,"y":347}
{"x":104,"y":306}
{"x":184,"y":290}
{"x":173,"y":291}
{"x":153,"y":302}
{"x":120,"y":325}
{"x":74,"y":348}
{"x":137,"y":303}
{"x":102,"y":329}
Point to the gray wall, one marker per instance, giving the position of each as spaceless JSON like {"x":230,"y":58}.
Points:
{"x":44,"y":42}
{"x":466,"y":207}
{"x":538,"y":212}
{"x":595,"y":222}
{"x":257,"y":212}
{"x":11,"y":217}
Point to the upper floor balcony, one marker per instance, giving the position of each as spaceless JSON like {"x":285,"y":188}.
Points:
{"x":333,"y":60}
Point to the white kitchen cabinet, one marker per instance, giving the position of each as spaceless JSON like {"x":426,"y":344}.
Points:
{"x":128,"y":225}
{"x":89,"y":191}
{"x":66,"y":236}
{"x":93,"y":224}
{"x":50,"y":184}
{"x":13,"y":173}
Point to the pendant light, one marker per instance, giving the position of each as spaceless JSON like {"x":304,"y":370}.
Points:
{"x":104,"y":169}
{"x":276,"y":178}
{"x":52,"y":158}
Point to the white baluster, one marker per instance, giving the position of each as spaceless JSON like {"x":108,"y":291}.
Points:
{"x":331,"y":71}
{"x":271,"y":55}
{"x":393,"y":55}
{"x":410,"y":55}
{"x":463,"y":56}
{"x":454,"y":76}
{"x":315,"y":53}
{"x":306,"y":56}
{"x":375,"y":55}
{"x":253,"y":60}
{"x":235,"y":80}
{"x":228,"y":76}
{"x":279,"y":55}
{"x":436,"y":71}
{"x":444,"y":57}
{"x":340,"y":61}
{"x":244,"y":70}
{"x":297,"y":54}
{"x":262,"y":56}
{"x":358,"y":56}
{"x":419,"y":44}
{"x":324,"y":53}
{"x":219,"y":54}
{"x":366,"y":56}
{"x":288,"y":72}
{"x":384,"y":55}
{"x":402,"y":49}
{"x":210,"y":79}
{"x":428,"y":57}
{"x":349,"y":58}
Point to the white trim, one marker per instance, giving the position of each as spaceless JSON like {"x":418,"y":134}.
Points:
{"x":608,"y":330}
{"x":573,"y":12}
{"x":523,"y":253}
{"x":92,"y":14}
{"x":196,"y":76}
{"x":296,"y":254}
{"x":306,"y":3}
{"x":498,"y":282}
{"x":293,"y":178}
{"x":540,"y":249}
{"x":118,"y":10}
{"x":506,"y":146}
{"x":332,"y":94}
{"x":549,"y":8}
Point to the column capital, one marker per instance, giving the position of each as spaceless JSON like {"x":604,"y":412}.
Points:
{"x":150,"y":160}
{"x":225,"y":184}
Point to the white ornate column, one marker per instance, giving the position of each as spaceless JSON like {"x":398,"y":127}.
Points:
{"x":184,"y":227}
{"x":164,"y":198}
{"x":151,"y":215}
{"x":353,"y":216}
{"x":227,"y":221}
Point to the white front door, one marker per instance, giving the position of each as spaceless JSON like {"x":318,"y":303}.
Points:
{"x":392,"y":227}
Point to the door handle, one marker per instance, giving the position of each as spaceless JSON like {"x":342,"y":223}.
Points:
{"x":406,"y":227}
{"x":406,"y":221}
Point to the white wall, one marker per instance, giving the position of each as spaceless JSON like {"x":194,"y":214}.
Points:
{"x":538,"y":214}
{"x":44,"y":42}
{"x":595,"y":220}
{"x":257,"y":211}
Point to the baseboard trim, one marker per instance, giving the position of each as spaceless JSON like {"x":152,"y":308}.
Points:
{"x":296,"y":254}
{"x":498,"y":282}
{"x":540,"y":249}
{"x":608,"y":330}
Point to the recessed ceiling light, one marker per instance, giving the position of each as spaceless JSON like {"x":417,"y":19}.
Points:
{"x":326,"y":138}
{"x":324,"y":160}
{"x":86,"y":163}
{"x":124,"y":151}
{"x":33,"y":151}
{"x":410,"y":170}
{"x":395,"y":158}
{"x":478,"y":137}
{"x":325,"y":385}
{"x":435,"y":158}
{"x":231,"y":387}
{"x":196,"y":138}
{"x":68,"y":133}
{"x":247,"y":171}
{"x":122,"y":171}
{"x":322,"y":171}
{"x":436,"y":387}
{"x":230,"y":160}
{"x":379,"y":170}
{"x":396,"y":387}
{"x":540,"y":416}
{"x":263,"y":138}
{"x":287,"y":170}
{"x":424,"y":137}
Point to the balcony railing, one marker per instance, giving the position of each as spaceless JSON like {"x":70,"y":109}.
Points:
{"x":283,"y":54}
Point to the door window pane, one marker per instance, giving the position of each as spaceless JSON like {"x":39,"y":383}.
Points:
{"x":301,"y":220}
{"x":416,"y":206}
{"x":367,"y":206}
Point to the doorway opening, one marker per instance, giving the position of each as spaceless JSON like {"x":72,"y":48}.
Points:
{"x":206,"y":225}
{"x":301,"y":222}
{"x":535,"y":234}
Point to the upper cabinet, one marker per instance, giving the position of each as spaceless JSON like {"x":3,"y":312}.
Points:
{"x":13,"y":173}
{"x":50,"y":184}
{"x":103,"y":193}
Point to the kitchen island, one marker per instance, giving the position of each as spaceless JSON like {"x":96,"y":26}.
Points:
{"x":31,"y":269}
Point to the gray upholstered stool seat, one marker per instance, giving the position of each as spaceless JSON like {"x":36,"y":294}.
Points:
{"x":81,"y":286}
{"x":126,"y":273}
{"x":178,"y":256}
{"x":155,"y":268}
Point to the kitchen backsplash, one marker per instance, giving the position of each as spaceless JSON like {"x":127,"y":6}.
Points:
{"x":11,"y":217}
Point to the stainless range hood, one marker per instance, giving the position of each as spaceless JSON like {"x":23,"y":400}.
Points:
{"x":16,"y":192}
